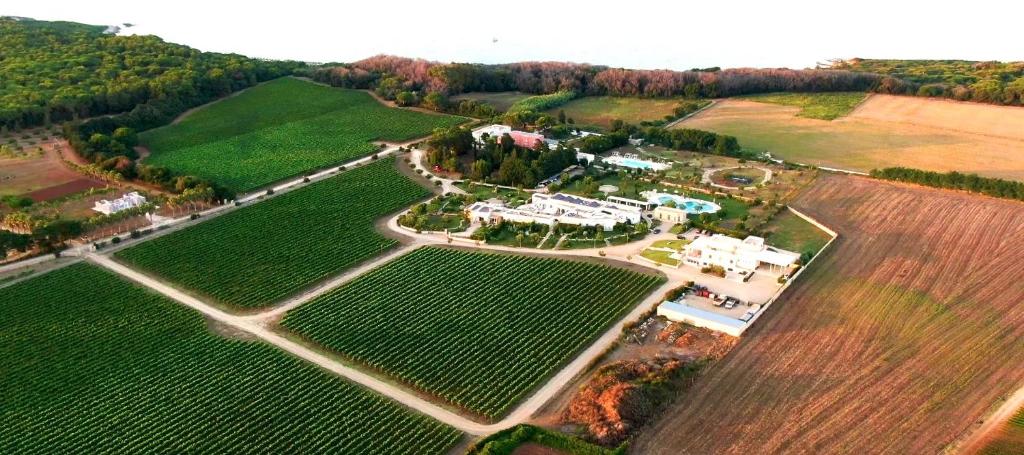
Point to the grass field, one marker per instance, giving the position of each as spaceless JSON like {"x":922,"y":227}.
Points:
{"x":600,"y":111}
{"x":821,"y":106}
{"x":281,"y":129}
{"x":883,"y":131}
{"x":1009,"y":441}
{"x":257,"y":255}
{"x":499,"y":100}
{"x":478,"y":330}
{"x":119,"y":369}
{"x":790,"y":232}
{"x":896,"y":340}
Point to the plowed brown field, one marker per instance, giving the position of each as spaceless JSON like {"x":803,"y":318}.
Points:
{"x":900,"y":337}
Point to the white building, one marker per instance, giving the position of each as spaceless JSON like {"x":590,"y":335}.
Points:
{"x":494,"y":131}
{"x":128,"y":201}
{"x":548,"y":209}
{"x":590,"y":157}
{"x":735,"y":255}
{"x":680,"y":311}
{"x":670,"y":214}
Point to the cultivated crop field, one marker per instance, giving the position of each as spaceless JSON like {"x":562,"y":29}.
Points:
{"x":281,"y":129}
{"x":897,"y":340}
{"x":118,"y":369}
{"x":478,"y":330}
{"x":600,"y":111}
{"x":882,"y":131}
{"x":257,"y":255}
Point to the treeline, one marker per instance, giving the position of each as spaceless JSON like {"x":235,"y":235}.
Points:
{"x":964,"y":80}
{"x":55,"y":72}
{"x":417,"y":75}
{"x":973,"y":183}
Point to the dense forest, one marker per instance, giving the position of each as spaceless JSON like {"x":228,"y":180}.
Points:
{"x":58,"y":71}
{"x":973,"y":183}
{"x":118,"y":85}
{"x":964,"y":80}
{"x":391,"y":75}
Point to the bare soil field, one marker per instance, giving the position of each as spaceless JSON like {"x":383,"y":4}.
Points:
{"x":899,"y":339}
{"x":884,"y":131}
{"x":27,"y":175}
{"x":975,"y":118}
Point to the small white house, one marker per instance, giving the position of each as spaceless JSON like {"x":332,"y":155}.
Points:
{"x":670,"y":214}
{"x":128,"y":201}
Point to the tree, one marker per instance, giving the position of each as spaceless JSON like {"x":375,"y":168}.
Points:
{"x":561,"y":116}
{"x":519,"y":238}
{"x":480,"y":170}
{"x":405,"y":98}
{"x":598,"y":237}
{"x":513,"y":171}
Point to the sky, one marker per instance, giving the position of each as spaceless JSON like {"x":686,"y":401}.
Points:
{"x":677,"y":35}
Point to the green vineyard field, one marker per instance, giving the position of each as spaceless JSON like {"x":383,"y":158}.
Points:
{"x":478,"y":330}
{"x":282,"y":129}
{"x":93,"y":364}
{"x":257,"y":255}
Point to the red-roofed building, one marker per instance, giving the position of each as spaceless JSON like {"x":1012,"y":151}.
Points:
{"x":528,"y":140}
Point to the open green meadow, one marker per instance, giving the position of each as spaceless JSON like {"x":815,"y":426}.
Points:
{"x":257,"y":255}
{"x":501,"y":101}
{"x":600,"y":111}
{"x":478,"y":330}
{"x":282,"y":129}
{"x":822,"y":106}
{"x":792,"y":233}
{"x":118,"y":369}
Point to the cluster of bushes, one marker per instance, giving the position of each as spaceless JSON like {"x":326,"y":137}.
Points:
{"x":973,"y":183}
{"x":506,"y":441}
{"x":498,"y":160}
{"x":696,"y":140}
{"x":539,"y":103}
{"x":964,"y":80}
{"x":715,"y":270}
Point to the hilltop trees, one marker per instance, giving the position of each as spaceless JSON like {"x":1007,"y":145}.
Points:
{"x":54,"y":72}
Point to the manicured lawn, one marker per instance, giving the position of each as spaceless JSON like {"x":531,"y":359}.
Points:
{"x":660,"y":256}
{"x":257,"y":255}
{"x":478,"y":330}
{"x":674,"y":244}
{"x":790,"y":232}
{"x":282,"y":129}
{"x":94,"y":364}
{"x":822,"y":106}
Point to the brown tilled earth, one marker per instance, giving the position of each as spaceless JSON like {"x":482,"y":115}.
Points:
{"x":897,"y":340}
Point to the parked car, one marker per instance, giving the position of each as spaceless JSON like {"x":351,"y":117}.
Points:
{"x":656,"y":231}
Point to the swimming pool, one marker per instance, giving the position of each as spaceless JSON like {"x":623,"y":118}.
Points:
{"x":690,"y":205}
{"x":636,"y":164}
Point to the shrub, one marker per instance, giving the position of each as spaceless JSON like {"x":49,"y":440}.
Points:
{"x":716,"y":270}
{"x":115,"y":240}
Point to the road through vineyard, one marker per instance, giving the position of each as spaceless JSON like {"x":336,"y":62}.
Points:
{"x":479,"y":330}
{"x":257,"y":255}
{"x":94,"y":364}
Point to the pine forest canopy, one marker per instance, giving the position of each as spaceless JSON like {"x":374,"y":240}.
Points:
{"x":56,"y":71}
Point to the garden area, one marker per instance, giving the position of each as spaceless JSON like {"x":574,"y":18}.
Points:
{"x":443,"y":213}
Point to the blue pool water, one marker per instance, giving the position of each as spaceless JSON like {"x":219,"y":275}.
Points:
{"x":692,"y":206}
{"x":636,"y":164}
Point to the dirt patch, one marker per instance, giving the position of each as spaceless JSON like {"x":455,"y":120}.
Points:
{"x":64,"y":189}
{"x":898,"y":339}
{"x":226,"y":331}
{"x":26,"y":175}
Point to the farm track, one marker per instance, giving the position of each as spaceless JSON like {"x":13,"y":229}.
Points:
{"x":897,"y":340}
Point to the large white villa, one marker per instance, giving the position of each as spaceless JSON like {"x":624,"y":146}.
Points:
{"x":561,"y":208}
{"x":128,"y":201}
{"x":735,"y":255}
